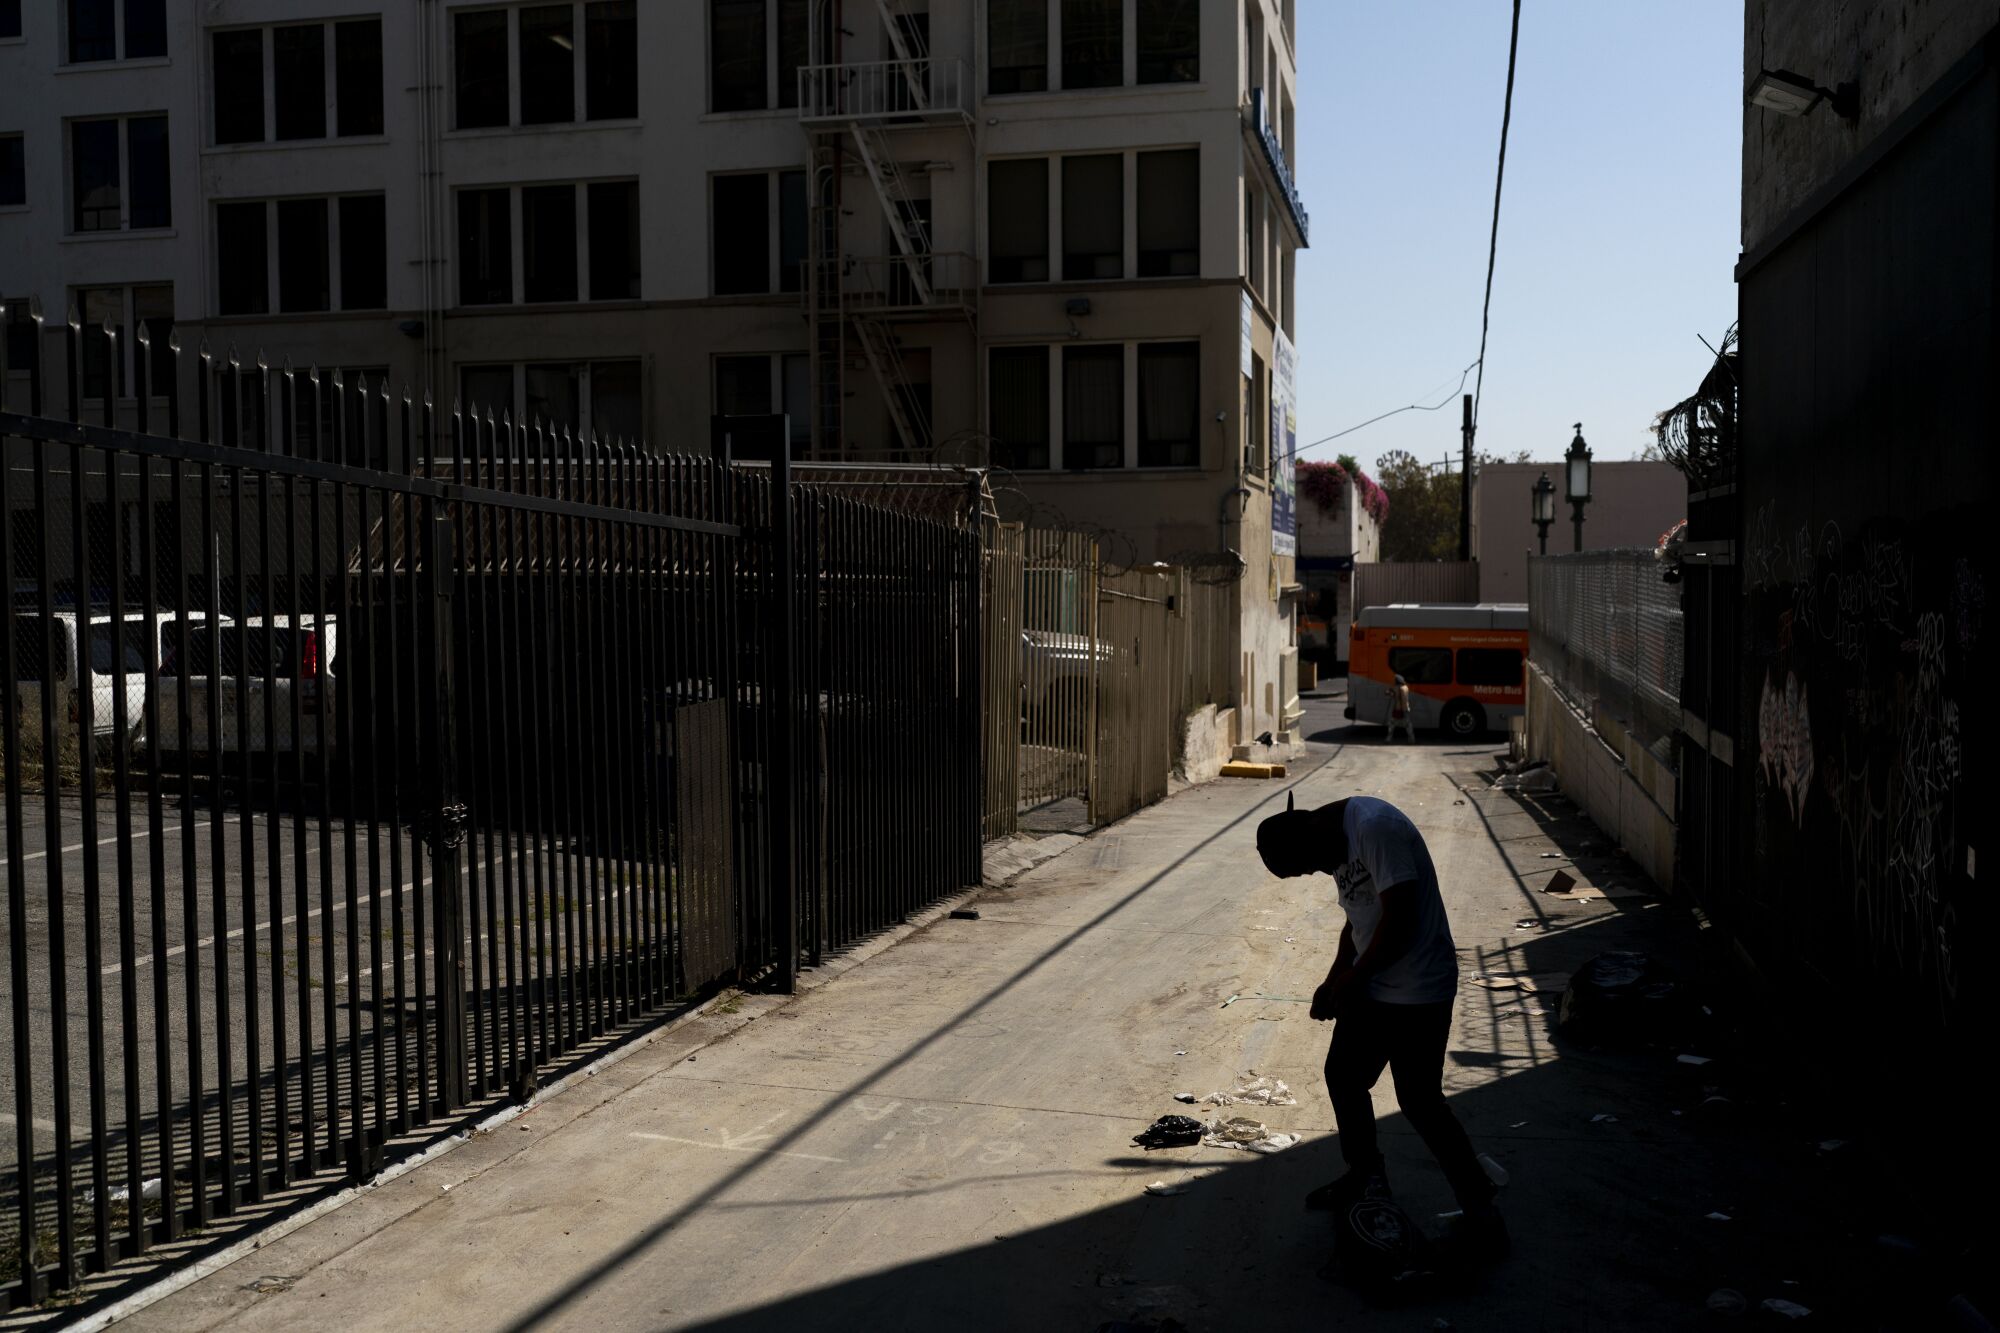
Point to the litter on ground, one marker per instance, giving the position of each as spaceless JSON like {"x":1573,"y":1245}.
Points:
{"x":1789,"y":1309}
{"x":1170,"y":1131}
{"x":1246,"y":1134}
{"x":1161,"y":1189}
{"x":1254,"y":1089}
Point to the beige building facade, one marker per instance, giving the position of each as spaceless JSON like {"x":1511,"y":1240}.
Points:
{"x":1053,"y":236}
{"x":1632,"y":506}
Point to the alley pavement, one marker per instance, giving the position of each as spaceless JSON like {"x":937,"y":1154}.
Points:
{"x":941,"y":1136}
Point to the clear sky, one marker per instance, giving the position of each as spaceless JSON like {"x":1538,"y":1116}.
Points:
{"x":1618,"y":226}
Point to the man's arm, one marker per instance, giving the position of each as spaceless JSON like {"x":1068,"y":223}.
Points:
{"x":1394,"y":934}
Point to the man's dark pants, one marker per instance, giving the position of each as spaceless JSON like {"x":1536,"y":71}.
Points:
{"x":1410,"y":1040}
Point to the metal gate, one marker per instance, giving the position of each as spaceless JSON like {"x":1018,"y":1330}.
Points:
{"x":343,"y":799}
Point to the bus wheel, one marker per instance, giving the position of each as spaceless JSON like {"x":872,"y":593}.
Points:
{"x":1463,"y":719}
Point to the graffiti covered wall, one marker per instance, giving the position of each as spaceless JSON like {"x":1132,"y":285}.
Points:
{"x":1867,"y":646}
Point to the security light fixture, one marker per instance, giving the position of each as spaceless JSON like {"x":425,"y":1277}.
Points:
{"x":1791,"y":94}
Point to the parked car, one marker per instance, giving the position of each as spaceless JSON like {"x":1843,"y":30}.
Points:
{"x":1056,"y":675}
{"x":241,"y":669}
{"x":98,"y":670}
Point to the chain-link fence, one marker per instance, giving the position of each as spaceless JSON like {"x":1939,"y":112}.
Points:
{"x":1607,"y":630}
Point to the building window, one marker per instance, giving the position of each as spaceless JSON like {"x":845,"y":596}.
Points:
{"x":298,"y":81}
{"x":124,"y":308}
{"x":1253,"y":253}
{"x":479,"y":63}
{"x":319,"y":87}
{"x":1018,"y":398}
{"x":317,"y":254}
{"x":10,"y":19}
{"x":1093,"y":209}
{"x":114,"y":30}
{"x":755,"y":49}
{"x":590,"y":399}
{"x":485,"y":247}
{"x":1169,"y":41}
{"x":304,"y":273}
{"x":13,"y":172}
{"x":242,"y":233}
{"x":614,"y":241}
{"x":1169,"y":404}
{"x":1017,"y":46}
{"x":558,"y":259}
{"x":548,"y":243}
{"x":1017,"y":222}
{"x":357,"y":77}
{"x":611,"y":60}
{"x":364,"y":252}
{"x":118,"y":174}
{"x":1093,"y":43}
{"x":1094,"y":406}
{"x":1170,"y":214}
{"x":754,"y":250}
{"x":551,"y":78}
{"x":548,"y":65}
{"x":763,"y":385}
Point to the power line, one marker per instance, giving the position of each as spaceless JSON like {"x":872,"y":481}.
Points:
{"x":1493,"y":241}
{"x":1413,"y":407}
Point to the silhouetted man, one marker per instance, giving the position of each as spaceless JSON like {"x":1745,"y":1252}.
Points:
{"x":1390,"y":993}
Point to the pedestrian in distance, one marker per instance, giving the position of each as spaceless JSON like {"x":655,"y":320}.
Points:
{"x":1389,"y":993}
{"x":1399,"y":711}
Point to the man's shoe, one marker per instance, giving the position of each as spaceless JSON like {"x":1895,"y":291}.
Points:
{"x":1348,"y":1190}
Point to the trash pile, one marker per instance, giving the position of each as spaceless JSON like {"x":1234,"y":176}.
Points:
{"x":1170,"y":1131}
{"x":1247,"y":1134}
{"x":1623,"y":999}
{"x":1534,"y":776}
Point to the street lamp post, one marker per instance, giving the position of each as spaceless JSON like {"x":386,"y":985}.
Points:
{"x":1544,"y":493}
{"x":1577,"y":475}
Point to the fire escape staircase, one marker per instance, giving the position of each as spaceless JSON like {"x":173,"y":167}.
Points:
{"x":852,"y":110}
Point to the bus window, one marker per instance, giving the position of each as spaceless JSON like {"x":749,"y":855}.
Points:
{"x":1489,"y":666}
{"x":1421,"y":666}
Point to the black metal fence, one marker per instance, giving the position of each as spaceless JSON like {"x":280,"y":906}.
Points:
{"x":341,"y":799}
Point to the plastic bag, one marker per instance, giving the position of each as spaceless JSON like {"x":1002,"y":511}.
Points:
{"x":1169,"y":1131}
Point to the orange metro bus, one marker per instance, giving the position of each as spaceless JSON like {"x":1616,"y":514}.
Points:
{"x":1465,"y":665}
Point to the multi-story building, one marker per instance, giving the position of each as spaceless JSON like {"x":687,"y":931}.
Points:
{"x":1056,"y":236}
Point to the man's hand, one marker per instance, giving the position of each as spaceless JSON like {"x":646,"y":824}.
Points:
{"x":1333,"y":995}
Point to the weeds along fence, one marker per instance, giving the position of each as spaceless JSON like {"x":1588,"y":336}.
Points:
{"x":344,"y":799}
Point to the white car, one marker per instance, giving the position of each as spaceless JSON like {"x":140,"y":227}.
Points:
{"x":238,"y":668}
{"x":98,"y":668}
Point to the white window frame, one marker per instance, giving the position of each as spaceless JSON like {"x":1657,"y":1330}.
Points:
{"x":331,"y":79}
{"x":1129,"y":56}
{"x":774,"y":223}
{"x":579,"y":74}
{"x":128,"y":342}
{"x":1058,"y":443}
{"x":118,"y":38}
{"x":272,"y":308}
{"x":1128,"y":224}
{"x":585,"y":394}
{"x":70,"y":229}
{"x":517,"y":236}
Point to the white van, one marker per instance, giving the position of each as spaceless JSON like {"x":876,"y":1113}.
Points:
{"x":255,"y":661}
{"x":98,"y":668}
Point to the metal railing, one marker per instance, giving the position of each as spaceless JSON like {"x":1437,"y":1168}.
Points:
{"x":928,"y":88}
{"x":341,"y":801}
{"x":1608,"y":631}
{"x":887,"y":285}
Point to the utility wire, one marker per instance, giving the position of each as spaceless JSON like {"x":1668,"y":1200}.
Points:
{"x":1493,"y":242}
{"x":1413,"y":407}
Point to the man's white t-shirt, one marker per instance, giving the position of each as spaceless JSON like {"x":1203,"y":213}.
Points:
{"x":1385,"y":850}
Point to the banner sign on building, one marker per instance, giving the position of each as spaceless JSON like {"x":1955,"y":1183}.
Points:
{"x":1249,"y":336}
{"x":1284,"y":444}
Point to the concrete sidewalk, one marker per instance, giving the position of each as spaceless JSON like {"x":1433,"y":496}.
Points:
{"x":940,"y":1138}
